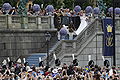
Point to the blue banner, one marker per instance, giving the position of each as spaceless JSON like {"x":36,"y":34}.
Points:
{"x":108,"y":37}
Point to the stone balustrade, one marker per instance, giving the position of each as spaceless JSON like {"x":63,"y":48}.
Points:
{"x":29,"y":22}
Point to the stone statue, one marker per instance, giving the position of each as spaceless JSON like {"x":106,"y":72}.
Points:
{"x":102,"y":7}
{"x":22,"y":10}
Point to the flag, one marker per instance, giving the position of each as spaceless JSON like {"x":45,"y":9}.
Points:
{"x":108,"y":49}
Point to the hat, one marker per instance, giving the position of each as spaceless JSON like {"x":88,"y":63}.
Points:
{"x":59,"y":68}
{"x":30,"y":70}
{"x":54,"y":70}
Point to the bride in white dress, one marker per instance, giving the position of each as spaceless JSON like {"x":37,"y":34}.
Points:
{"x":83,"y":24}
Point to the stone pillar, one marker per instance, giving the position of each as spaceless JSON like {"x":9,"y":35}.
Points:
{"x":8,"y":21}
{"x":24,"y":22}
{"x":39,"y":22}
{"x":52,"y":22}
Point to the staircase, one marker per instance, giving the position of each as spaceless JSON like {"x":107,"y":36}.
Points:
{"x":34,"y":58}
{"x":65,"y":48}
{"x":88,"y":42}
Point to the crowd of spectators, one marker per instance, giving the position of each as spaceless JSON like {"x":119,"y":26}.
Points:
{"x":19,"y":71}
{"x":41,"y":12}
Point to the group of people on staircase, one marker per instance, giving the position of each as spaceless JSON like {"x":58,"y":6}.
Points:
{"x":70,"y":24}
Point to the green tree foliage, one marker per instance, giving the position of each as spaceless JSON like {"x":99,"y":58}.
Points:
{"x":82,"y":3}
{"x":68,"y":4}
{"x":1,"y":3}
{"x":58,"y":3}
{"x":108,"y":3}
{"x":38,"y":2}
{"x":12,"y":2}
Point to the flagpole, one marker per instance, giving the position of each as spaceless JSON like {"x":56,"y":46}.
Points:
{"x":114,"y":55}
{"x":96,"y":44}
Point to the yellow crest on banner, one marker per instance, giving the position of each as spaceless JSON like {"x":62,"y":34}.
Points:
{"x":109,"y":37}
{"x":109,"y":28}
